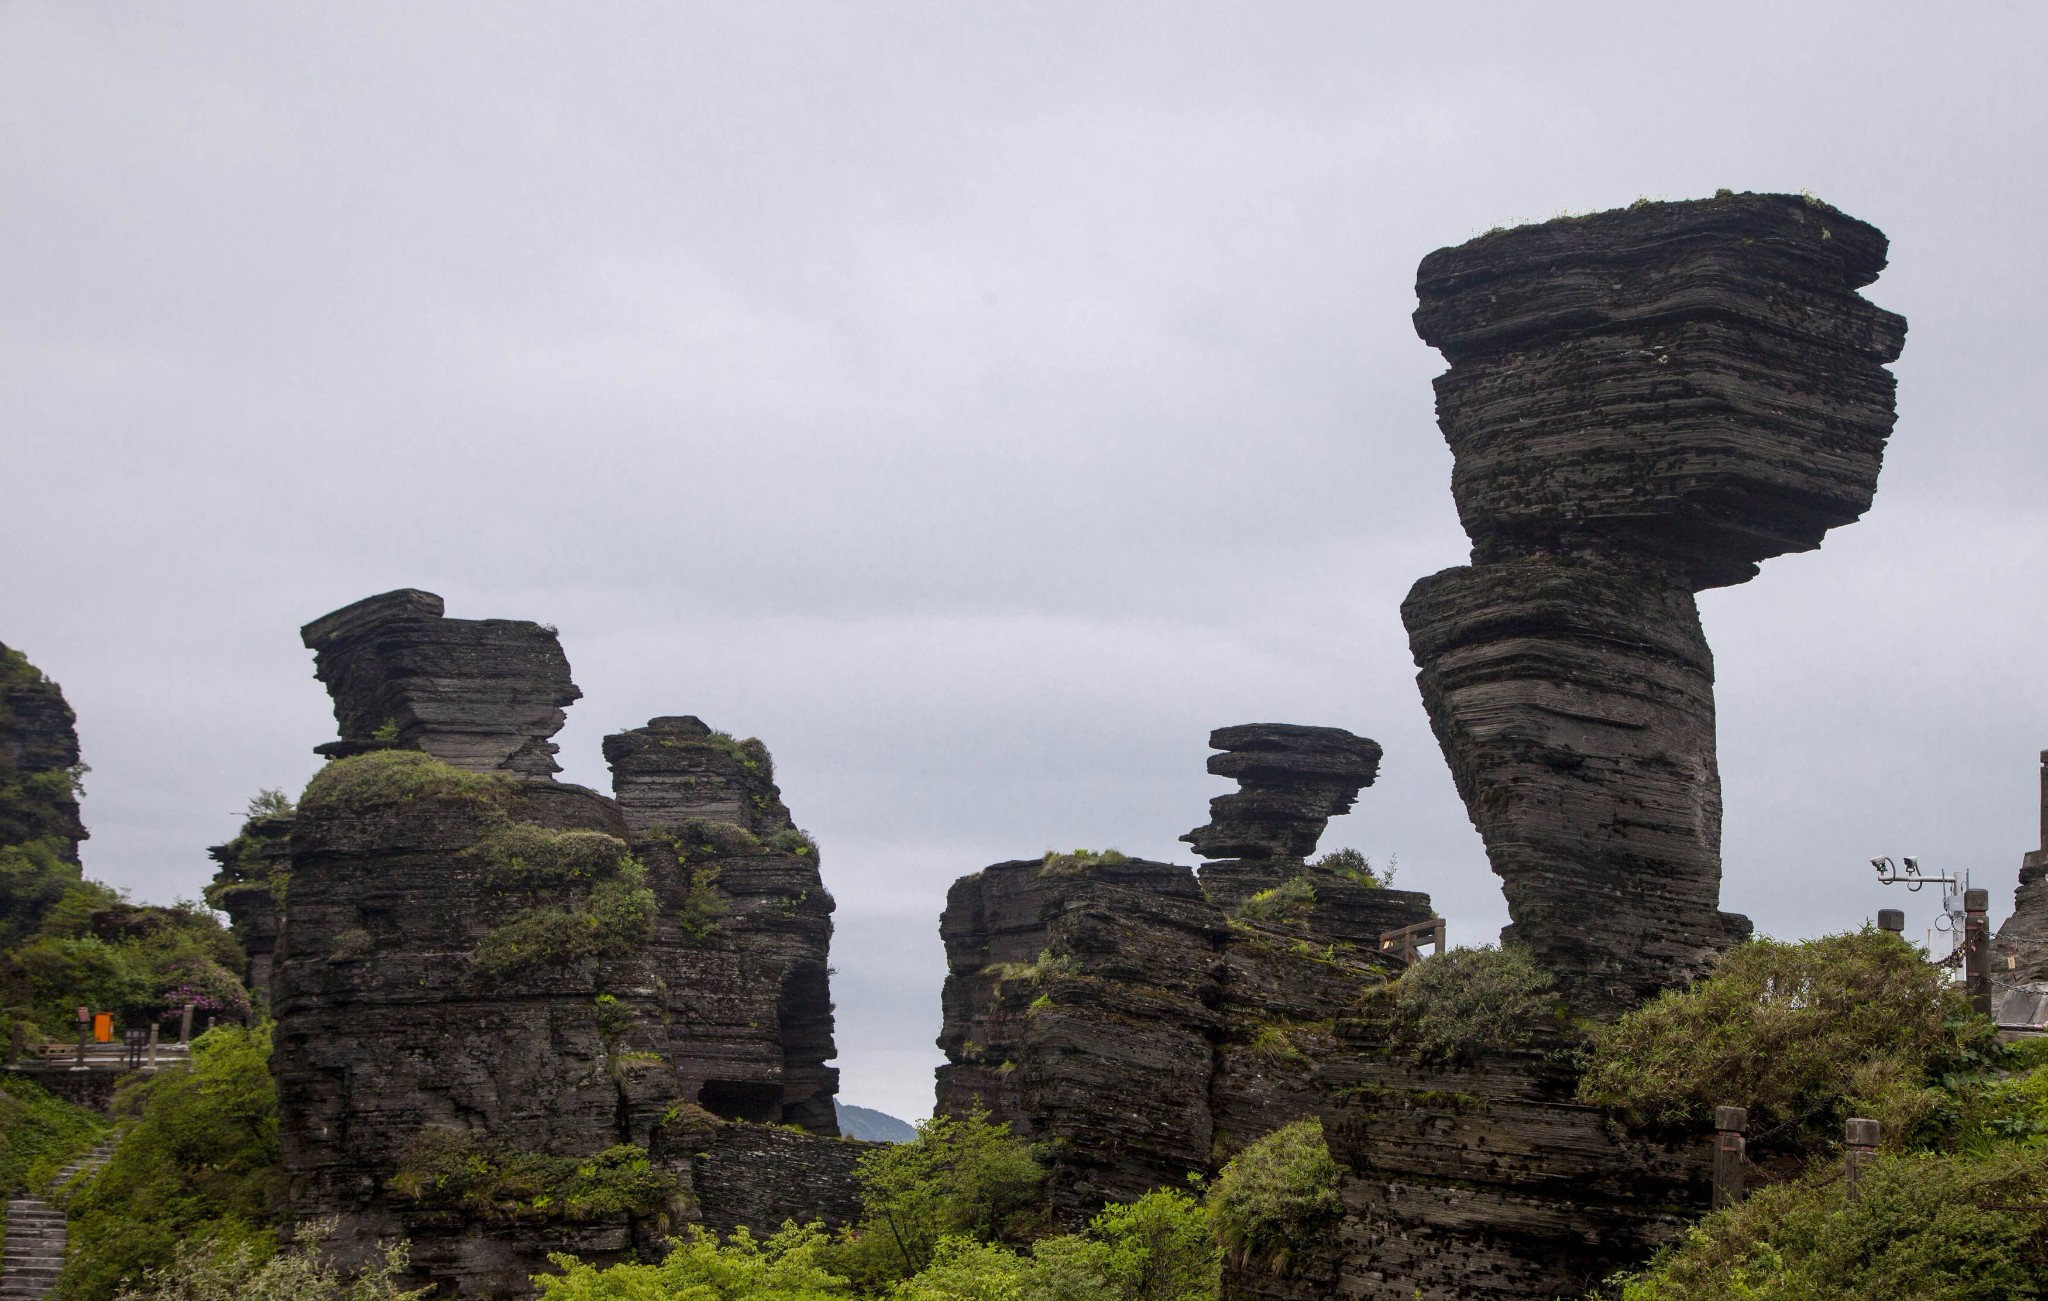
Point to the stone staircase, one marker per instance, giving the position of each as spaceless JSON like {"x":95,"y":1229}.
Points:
{"x":35,"y":1233}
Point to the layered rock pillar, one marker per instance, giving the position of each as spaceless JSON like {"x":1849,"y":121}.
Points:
{"x":1642,"y":404}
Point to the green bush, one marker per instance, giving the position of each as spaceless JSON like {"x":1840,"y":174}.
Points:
{"x":35,"y":876}
{"x":701,"y":838}
{"x":196,"y":1160}
{"x":957,"y":1179}
{"x":179,"y":955}
{"x":1800,"y":1034}
{"x":1926,"y":1227}
{"x":1450,"y":1008}
{"x":1276,"y":1198}
{"x":791,"y":840}
{"x":1348,"y":862}
{"x":383,"y":777}
{"x":457,"y":1174}
{"x":787,"y":1266}
{"x":39,"y":1132}
{"x":208,"y":1271}
{"x":613,"y":921}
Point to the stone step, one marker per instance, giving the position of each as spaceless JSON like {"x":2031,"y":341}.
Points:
{"x":35,"y":1250}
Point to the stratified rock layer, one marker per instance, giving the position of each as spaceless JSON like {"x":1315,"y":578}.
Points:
{"x":1685,"y":387}
{"x":1641,"y":404}
{"x":1576,"y":708}
{"x":1109,"y":1007}
{"x":1291,"y":781}
{"x":39,"y":822}
{"x":744,"y":927}
{"x":483,"y":694}
{"x":254,"y":868}
{"x":479,"y":968}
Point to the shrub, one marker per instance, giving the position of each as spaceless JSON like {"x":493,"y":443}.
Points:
{"x":791,"y":840}
{"x":196,"y":1161}
{"x":1348,"y":862}
{"x":1938,"y":1228}
{"x":35,"y":876}
{"x":702,"y":909}
{"x":1157,"y":1248}
{"x":1452,"y":1007}
{"x":700,"y":838}
{"x":958,"y":1178}
{"x":206,"y":1271}
{"x":453,"y":1172}
{"x":1290,"y":902}
{"x":612,"y":921}
{"x":382,"y":777}
{"x":1798,"y":1033}
{"x":1276,"y":1197}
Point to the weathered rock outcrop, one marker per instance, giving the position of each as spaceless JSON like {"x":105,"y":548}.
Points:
{"x":2022,"y":942}
{"x":482,"y":694}
{"x":1642,"y":404}
{"x":1143,"y":1025}
{"x":39,"y":767}
{"x":254,"y":869}
{"x":744,"y":924}
{"x":500,"y":999}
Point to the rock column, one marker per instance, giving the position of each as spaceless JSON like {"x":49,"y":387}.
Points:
{"x":1642,"y":404}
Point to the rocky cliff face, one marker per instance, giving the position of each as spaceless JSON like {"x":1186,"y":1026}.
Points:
{"x":39,"y":766}
{"x":249,"y":886}
{"x":744,"y":923}
{"x":1145,"y":1025}
{"x":500,"y":1000}
{"x":1642,"y":404}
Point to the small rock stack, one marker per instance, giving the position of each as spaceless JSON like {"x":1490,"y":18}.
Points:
{"x":249,"y":886}
{"x":1642,"y":404}
{"x":1291,"y":781}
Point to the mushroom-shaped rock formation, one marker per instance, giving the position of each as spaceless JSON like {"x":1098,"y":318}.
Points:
{"x":1642,"y":404}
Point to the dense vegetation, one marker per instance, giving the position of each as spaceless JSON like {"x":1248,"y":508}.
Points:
{"x":957,"y":1215}
{"x":1453,"y":1006}
{"x":196,"y":1162}
{"x":1805,"y":1035}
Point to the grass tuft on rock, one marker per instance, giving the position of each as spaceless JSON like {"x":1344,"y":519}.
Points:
{"x":454,"y":1174}
{"x":386,"y":777}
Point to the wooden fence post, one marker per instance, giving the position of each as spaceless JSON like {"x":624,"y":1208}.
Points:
{"x":1860,"y":1137}
{"x":1729,"y":1123}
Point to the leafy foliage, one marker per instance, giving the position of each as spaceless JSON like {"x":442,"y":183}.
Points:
{"x":525,"y":857}
{"x":1451,"y":1007}
{"x":1801,"y":1034}
{"x":455,"y":1173}
{"x":39,"y":1132}
{"x":1926,"y":1227}
{"x":787,"y":1266}
{"x":165,"y":958}
{"x":208,"y":1271}
{"x":1276,"y":1197}
{"x":196,"y":1161}
{"x":958,"y":1179}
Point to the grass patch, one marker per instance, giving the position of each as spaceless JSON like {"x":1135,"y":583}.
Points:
{"x":1277,"y":1198}
{"x":1289,"y":903}
{"x":1077,"y":861}
{"x":386,"y":777}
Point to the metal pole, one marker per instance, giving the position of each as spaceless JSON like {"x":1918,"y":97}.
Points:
{"x":1976,"y":946}
{"x":1729,"y":1123}
{"x":1860,"y":1137}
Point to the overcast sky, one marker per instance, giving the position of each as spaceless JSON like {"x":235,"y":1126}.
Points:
{"x":977,"y":403}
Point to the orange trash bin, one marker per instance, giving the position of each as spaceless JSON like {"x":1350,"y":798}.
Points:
{"x":103,"y":1027}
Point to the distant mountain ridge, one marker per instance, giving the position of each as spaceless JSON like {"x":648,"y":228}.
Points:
{"x":875,"y":1126}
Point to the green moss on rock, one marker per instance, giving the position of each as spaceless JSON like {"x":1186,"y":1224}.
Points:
{"x":386,"y":777}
